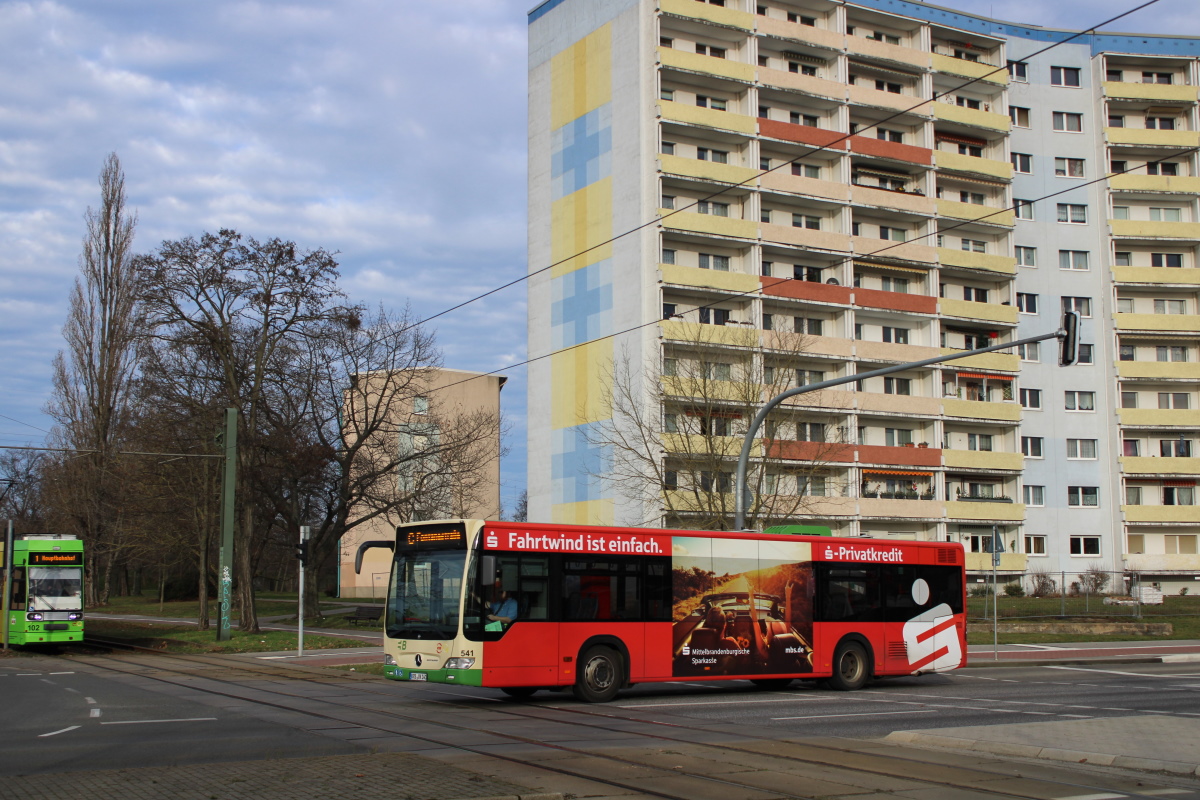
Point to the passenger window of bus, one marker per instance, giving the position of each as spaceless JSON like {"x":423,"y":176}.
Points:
{"x":533,"y":595}
{"x":896,"y":585}
{"x":658,"y":591}
{"x":845,"y":597}
{"x":945,"y":586}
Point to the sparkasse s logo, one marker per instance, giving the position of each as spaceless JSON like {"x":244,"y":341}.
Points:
{"x":492,"y":539}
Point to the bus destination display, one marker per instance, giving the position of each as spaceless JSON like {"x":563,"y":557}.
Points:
{"x":438,"y":535}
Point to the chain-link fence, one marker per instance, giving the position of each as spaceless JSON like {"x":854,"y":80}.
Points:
{"x":1090,"y":594}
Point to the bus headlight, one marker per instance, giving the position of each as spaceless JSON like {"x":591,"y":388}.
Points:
{"x":388,"y":661}
{"x":75,"y":615}
{"x":33,"y":616}
{"x":460,"y":663}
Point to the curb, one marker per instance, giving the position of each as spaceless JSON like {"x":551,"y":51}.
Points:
{"x":539,"y":796}
{"x":1065,"y":662}
{"x":1048,"y":753}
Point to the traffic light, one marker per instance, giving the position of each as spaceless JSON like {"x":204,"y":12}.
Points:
{"x":302,"y":552}
{"x":1069,"y":340}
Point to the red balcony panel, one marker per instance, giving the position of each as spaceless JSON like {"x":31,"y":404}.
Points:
{"x":895,"y":301}
{"x":806,"y":290}
{"x":900,"y":152}
{"x":802,"y":134}
{"x":819,"y":452}
{"x":900,"y":456}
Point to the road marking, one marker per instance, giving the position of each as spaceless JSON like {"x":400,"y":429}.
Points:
{"x":62,"y":673}
{"x":95,"y":712}
{"x":1077,"y":716}
{"x":47,"y":680}
{"x":56,"y":733}
{"x":732,"y":702}
{"x":69,"y":689}
{"x":1096,"y":796}
{"x":867,"y":714}
{"x":1143,"y":675}
{"x":91,"y":700}
{"x":28,"y":674}
{"x":146,"y":721}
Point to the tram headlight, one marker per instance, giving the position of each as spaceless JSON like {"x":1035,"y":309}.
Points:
{"x":75,"y":616}
{"x":460,"y":663}
{"x":34,"y":616}
{"x":388,"y":661}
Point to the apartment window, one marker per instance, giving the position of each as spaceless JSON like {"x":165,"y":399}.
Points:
{"x":669,"y":310}
{"x":1085,"y":545}
{"x":1022,"y":162}
{"x":1072,"y":213}
{"x":806,"y":170}
{"x":1117,"y":166}
{"x":1018,"y":71}
{"x":974,"y":198}
{"x":1026,"y":257}
{"x":810,"y":325}
{"x":898,"y":285}
{"x":723,"y":482}
{"x":1124,"y":305}
{"x":1170,"y":307}
{"x":1169,"y":168}
{"x":716,"y":156}
{"x":1127,"y":352}
{"x":974,"y":245}
{"x":897,"y":386}
{"x":892,"y":234}
{"x":1067,"y":122}
{"x":1133,"y":495}
{"x":1171,"y":353}
{"x":1166,"y":260}
{"x":1024,"y":209}
{"x":767,"y":268}
{"x":1081,"y":449}
{"x":1173,"y":400}
{"x":1030,"y":398}
{"x":768,"y":325}
{"x":1033,"y":495}
{"x":718,"y":371}
{"x":1064,"y":76}
{"x":970,"y":150}
{"x":1027,"y":303}
{"x":807,"y":377}
{"x":1068,"y":167}
{"x":967,"y":102}
{"x":886,"y":86}
{"x":1019,"y":116}
{"x":975,"y":295}
{"x":1156,"y":77}
{"x":889,"y":135}
{"x":764,"y":215}
{"x":1180,"y":544}
{"x":1073,"y":259}
{"x":806,"y":221}
{"x":804,"y":69}
{"x":671,"y":478}
{"x":1080,"y":305}
{"x":670,"y":367}
{"x":897,"y":437}
{"x":1120,"y":212}
{"x":718,"y":263}
{"x":1161,"y":214}
{"x":715,"y":103}
{"x":1175,"y":448}
{"x":1083,"y":496}
{"x":764,"y":164}
{"x":797,"y":118}
{"x":979,"y":441}
{"x":1080,"y":401}
{"x":1031,"y":446}
{"x":1129,"y":399}
{"x":764,"y":112}
{"x":1160,"y":123}
{"x":671,"y":423}
{"x":1113,"y":75}
{"x":668,"y":148}
{"x":1030,"y":352}
{"x":1035,"y":545}
{"x":666,"y":94}
{"x":1122,"y":258}
{"x":1085,"y":354}
{"x":895,"y":335}
{"x":716,"y":209}
{"x":668,"y":256}
{"x":709,"y":50}
{"x":668,"y":201}
{"x":1116,"y":121}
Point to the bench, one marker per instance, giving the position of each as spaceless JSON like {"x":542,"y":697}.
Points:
{"x":364,"y":614}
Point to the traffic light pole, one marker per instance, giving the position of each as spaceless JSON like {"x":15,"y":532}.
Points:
{"x":302,"y":557}
{"x":1067,"y":334}
{"x":228,"y":503}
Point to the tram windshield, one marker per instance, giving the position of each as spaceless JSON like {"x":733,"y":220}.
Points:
{"x":55,"y":589}
{"x":425,"y":593}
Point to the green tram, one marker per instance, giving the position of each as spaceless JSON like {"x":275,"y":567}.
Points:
{"x":45,"y":592}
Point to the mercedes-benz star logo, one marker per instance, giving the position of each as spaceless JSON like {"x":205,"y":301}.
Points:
{"x":418,"y":659}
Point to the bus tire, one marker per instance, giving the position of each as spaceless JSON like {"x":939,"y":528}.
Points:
{"x":599,"y":675}
{"x":850,"y":667}
{"x":519,"y":692}
{"x":771,"y":683}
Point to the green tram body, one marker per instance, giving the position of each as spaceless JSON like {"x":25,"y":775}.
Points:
{"x":46,"y":590}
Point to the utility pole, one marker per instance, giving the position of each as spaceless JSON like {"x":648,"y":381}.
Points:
{"x":8,"y":570}
{"x":228,"y":498}
{"x":302,"y":558}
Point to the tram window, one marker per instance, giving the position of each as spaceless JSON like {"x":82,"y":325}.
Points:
{"x":18,"y":587}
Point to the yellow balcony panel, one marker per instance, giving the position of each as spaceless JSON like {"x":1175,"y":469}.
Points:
{"x":808,"y":84}
{"x":969,"y":309}
{"x":707,"y":170}
{"x":972,"y":116}
{"x":1152,"y":138}
{"x":870,"y":96}
{"x":733,"y":335}
{"x":697,"y":444}
{"x":865,"y":246}
{"x":1163,"y":562}
{"x":957,"y":162}
{"x":899,"y":404}
{"x":861,"y":45}
{"x":1182,"y":323}
{"x":709,"y":118}
{"x":888,"y":351}
{"x":1160,"y":417}
{"x":708,"y":278}
{"x":969,"y":69}
{"x":1144,"y":229}
{"x":989,"y":361}
{"x":803,"y":237}
{"x":820,"y":507}
{"x":972,"y":409}
{"x":709,"y":13}
{"x":949,"y":257}
{"x":1169,"y":370}
{"x":904,"y":509}
{"x":902,"y":201}
{"x":1009,"y":562}
{"x":1161,"y":514}
{"x":721,"y":67}
{"x":1133,"y":182}
{"x":782,"y":29}
{"x":1141,"y":465}
{"x":1150,"y":91}
{"x":962,"y":509}
{"x":828,"y":398}
{"x":1156,"y":275}
{"x":782,"y":180}
{"x":986,"y":215}
{"x":803,"y":343}
{"x":709,"y":223}
{"x":981,"y":459}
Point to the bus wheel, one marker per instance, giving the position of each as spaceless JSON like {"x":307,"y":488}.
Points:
{"x":598,"y":678}
{"x":849,"y":667}
{"x":771,"y":683}
{"x":519,"y":692}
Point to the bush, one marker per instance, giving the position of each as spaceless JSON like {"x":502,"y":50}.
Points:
{"x":980,"y":590}
{"x":1043,"y":585}
{"x":1094,"y":580}
{"x":1014,"y":589}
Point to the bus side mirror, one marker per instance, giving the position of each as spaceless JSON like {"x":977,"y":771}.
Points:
{"x":365,"y":546}
{"x":487,"y":570}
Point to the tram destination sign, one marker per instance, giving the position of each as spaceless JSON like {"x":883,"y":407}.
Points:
{"x":56,"y":559}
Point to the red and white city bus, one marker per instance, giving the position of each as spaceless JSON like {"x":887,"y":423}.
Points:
{"x":522,"y":607}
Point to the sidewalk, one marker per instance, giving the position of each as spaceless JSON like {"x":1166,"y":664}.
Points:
{"x":1009,"y":655}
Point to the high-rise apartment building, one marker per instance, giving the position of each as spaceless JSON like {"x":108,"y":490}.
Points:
{"x":774,"y":193}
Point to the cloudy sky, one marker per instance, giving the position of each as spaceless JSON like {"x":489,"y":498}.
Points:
{"x":391,"y":131}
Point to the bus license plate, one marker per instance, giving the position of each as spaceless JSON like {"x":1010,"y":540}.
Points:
{"x":418,"y":676}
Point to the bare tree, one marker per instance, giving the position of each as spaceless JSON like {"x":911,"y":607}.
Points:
{"x":93,"y":379}
{"x":20,"y":474}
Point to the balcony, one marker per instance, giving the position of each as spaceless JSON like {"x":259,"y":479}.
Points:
{"x":1135,"y":465}
{"x":985,"y":215}
{"x":1161,"y":184}
{"x":801,"y":134}
{"x":807,"y":84}
{"x":916,"y":507}
{"x":1160,"y":417}
{"x":1179,"y":323}
{"x":862,"y":46}
{"x":1149,"y":91}
{"x":707,"y":117}
{"x":708,"y":223}
{"x":1152,"y":138}
{"x":693,"y":332}
{"x":1005,"y":265}
{"x":870,"y":96}
{"x":866,"y":246}
{"x":782,"y":180}
{"x":871,"y":146}
{"x":1145,"y":229}
{"x":709,"y":13}
{"x":987,"y":361}
{"x":1009,"y":562}
{"x":806,"y":290}
{"x":995,"y":511}
{"x":896,"y":353}
{"x":904,"y":456}
{"x":895,"y":301}
{"x":1161,"y":513}
{"x":707,"y":170}
{"x":974,"y":117}
{"x":812,"y":345}
{"x":1156,"y":275}
{"x":969,"y":309}
{"x":708,"y":278}
{"x":708,"y":65}
{"x":976,"y":409}
{"x":983,"y":459}
{"x":803,"y":237}
{"x":957,"y":162}
{"x":817,"y":37}
{"x":969,"y":69}
{"x":1161,"y":562}
{"x":900,"y":201}
{"x":812,"y":452}
{"x":901,"y":404}
{"x":695,"y":444}
{"x":1161,"y":370}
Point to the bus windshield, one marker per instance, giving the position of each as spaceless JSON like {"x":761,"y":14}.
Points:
{"x":55,"y":589}
{"x":425,"y":594}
